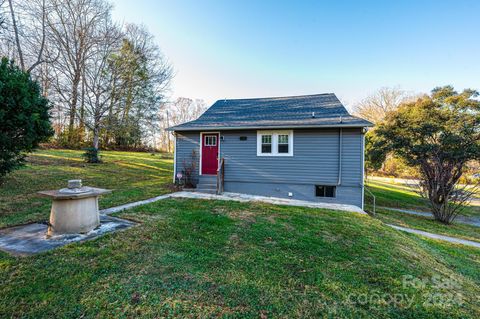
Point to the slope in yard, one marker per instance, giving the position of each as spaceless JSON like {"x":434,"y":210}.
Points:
{"x":193,"y":258}
{"x":399,"y":195}
{"x":390,"y":193}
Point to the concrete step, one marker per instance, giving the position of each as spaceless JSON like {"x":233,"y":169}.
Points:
{"x":201,"y":187}
{"x":207,"y":178}
{"x":208,"y":185}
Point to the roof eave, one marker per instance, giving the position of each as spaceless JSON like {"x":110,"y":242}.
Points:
{"x":230,"y":128}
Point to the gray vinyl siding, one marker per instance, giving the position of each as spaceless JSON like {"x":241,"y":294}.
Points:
{"x":186,"y":142}
{"x":315,"y":161}
{"x":315,"y":158}
{"x":352,"y":165}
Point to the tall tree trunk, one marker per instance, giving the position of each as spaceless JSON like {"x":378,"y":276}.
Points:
{"x":17,"y":36}
{"x":96,"y":137}
{"x":81,"y":130}
{"x":73,"y":106}
{"x":169,"y":142}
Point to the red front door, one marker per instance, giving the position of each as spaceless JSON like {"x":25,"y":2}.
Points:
{"x":210,"y":153}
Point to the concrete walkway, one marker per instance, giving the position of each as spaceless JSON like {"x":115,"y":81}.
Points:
{"x":116,"y":209}
{"x":436,"y":236}
{"x":270,"y":200}
{"x":467,"y":220}
{"x":239,"y":198}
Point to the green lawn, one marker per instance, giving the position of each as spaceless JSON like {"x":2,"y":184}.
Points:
{"x":427,"y":224}
{"x":197,"y":259}
{"x":389,"y":194}
{"x":133,"y":176}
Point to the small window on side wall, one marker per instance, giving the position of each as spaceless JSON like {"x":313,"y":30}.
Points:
{"x":325,"y":191}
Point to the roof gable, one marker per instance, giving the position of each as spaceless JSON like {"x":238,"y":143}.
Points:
{"x":294,"y":111}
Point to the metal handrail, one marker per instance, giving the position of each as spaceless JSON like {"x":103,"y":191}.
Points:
{"x":220,"y":176}
{"x":373,"y":196}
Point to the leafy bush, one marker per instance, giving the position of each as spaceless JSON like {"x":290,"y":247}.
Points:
{"x":24,"y":117}
{"x":91,"y":155}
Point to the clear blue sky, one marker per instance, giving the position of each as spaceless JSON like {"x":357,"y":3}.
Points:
{"x":235,"y":49}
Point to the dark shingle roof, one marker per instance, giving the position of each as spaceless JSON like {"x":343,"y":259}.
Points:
{"x":320,"y":110}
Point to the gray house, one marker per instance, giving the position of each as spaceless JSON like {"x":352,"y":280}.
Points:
{"x":301,"y":147}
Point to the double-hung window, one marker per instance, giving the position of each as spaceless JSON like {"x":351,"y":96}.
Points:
{"x":275,"y":143}
{"x":267,"y":143}
{"x":283,"y":143}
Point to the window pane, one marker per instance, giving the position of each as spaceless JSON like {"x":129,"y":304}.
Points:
{"x":210,"y":140}
{"x":330,"y":191}
{"x":266,"y":148}
{"x":325,"y":191}
{"x":266,"y":143}
{"x":283,"y":148}
{"x":319,"y":191}
{"x":283,"y":139}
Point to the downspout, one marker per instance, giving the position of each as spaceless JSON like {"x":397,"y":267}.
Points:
{"x":174,"y":156}
{"x":340,"y":146}
{"x":363,"y":174}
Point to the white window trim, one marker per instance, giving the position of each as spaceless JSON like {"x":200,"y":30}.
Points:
{"x":275,"y":142}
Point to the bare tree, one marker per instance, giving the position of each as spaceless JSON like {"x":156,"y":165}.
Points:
{"x":3,"y":19}
{"x":25,"y":39}
{"x":58,"y":42}
{"x":376,"y":106}
{"x":99,"y":79}
{"x":177,"y":112}
{"x":73,"y":26}
{"x":17,"y":35}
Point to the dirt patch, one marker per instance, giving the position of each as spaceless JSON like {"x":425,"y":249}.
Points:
{"x":270,"y":241}
{"x":271,"y":219}
{"x":234,"y":240}
{"x":329,"y":237}
{"x":242,"y":215}
{"x":288,"y":226}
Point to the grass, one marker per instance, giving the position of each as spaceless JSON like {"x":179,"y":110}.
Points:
{"x":391,"y":194}
{"x":133,"y":176}
{"x":396,"y":195}
{"x":428,"y":224}
{"x":198,"y":259}
{"x":192,"y":258}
